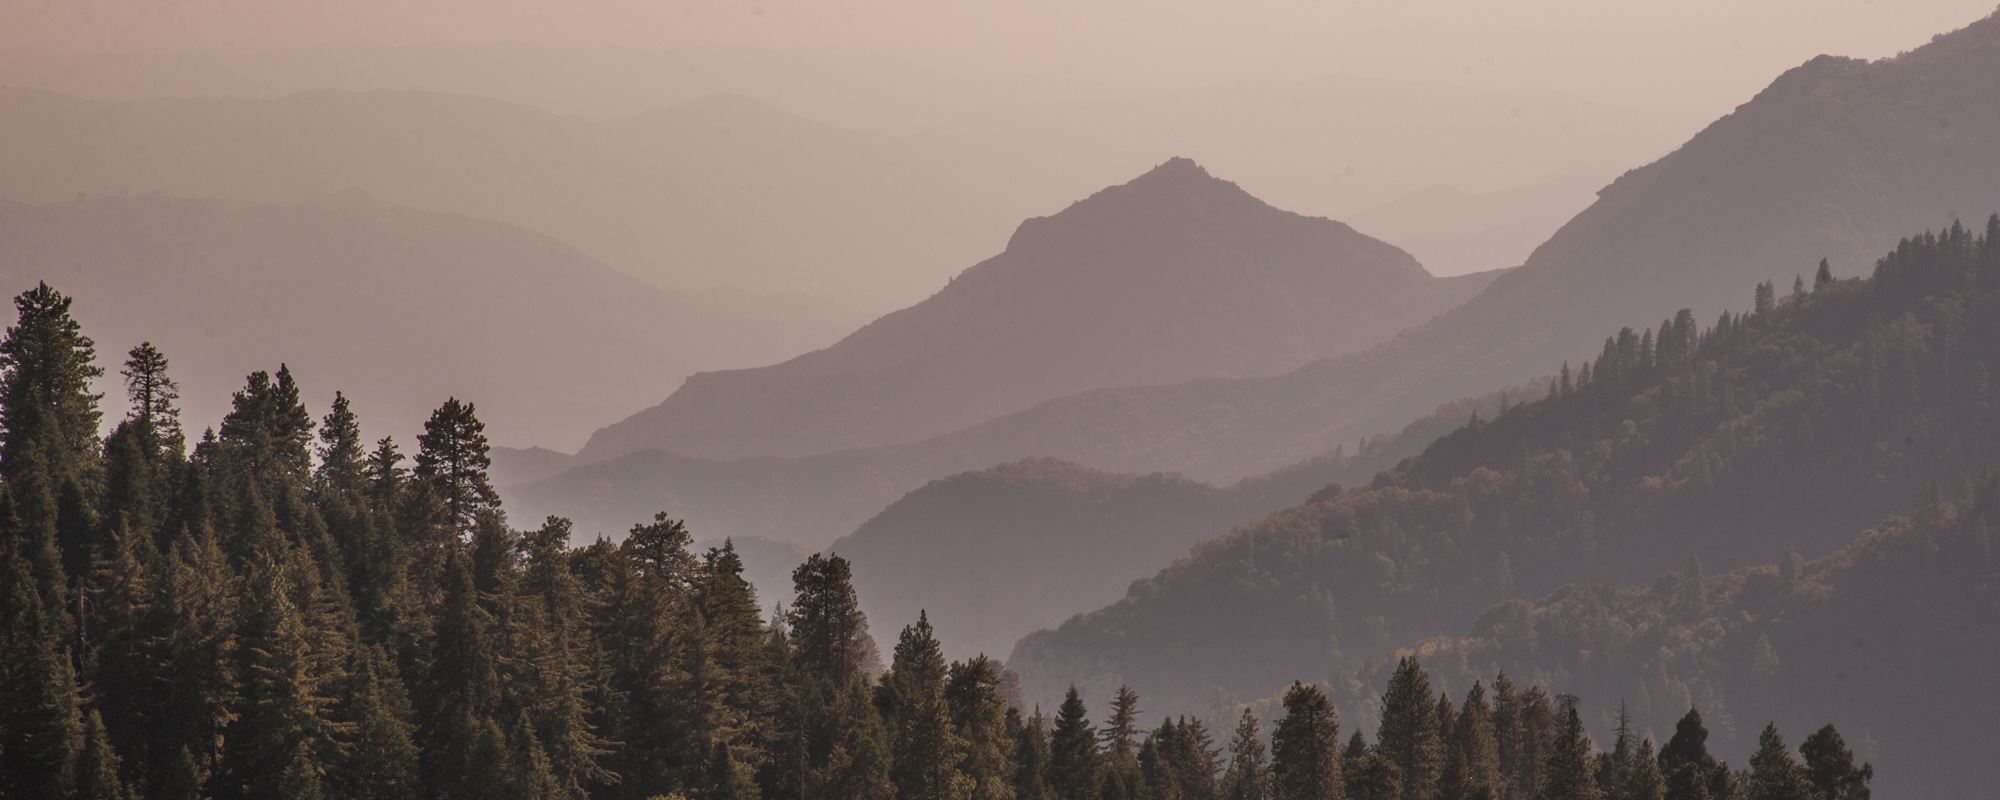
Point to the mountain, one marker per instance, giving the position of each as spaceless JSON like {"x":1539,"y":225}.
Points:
{"x":995,"y":554}
{"x":714,"y":191}
{"x":1831,"y":161}
{"x":1890,"y":638}
{"x":398,"y":308}
{"x":1172,"y":276}
{"x":1801,"y":421}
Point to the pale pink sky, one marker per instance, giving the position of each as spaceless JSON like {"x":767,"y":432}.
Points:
{"x":1687,"y":56}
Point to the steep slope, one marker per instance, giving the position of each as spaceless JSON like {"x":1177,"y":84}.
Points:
{"x":398,"y":308}
{"x":1830,"y":161}
{"x":1800,"y":422}
{"x":721,"y":190}
{"x":1892,"y":639}
{"x":1172,"y":276}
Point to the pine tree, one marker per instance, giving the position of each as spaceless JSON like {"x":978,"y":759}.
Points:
{"x":926,"y":750}
{"x":1689,"y":745}
{"x":826,"y":623}
{"x":39,"y":709}
{"x":1473,"y":763}
{"x":1305,"y":748}
{"x":266,"y":433}
{"x":1249,"y":774}
{"x":287,"y":731}
{"x":452,"y":457}
{"x":183,"y":780}
{"x":1121,"y":730}
{"x":342,"y":462}
{"x":1374,"y":777}
{"x":530,"y":776}
{"x":1643,"y":780}
{"x":1830,"y":767}
{"x":1567,"y":774}
{"x":384,"y":760}
{"x":46,"y":406}
{"x":1409,"y":731}
{"x":98,"y":767}
{"x":152,"y":394}
{"x":1074,"y":763}
{"x":1774,"y":774}
{"x":1823,"y":277}
{"x":979,"y":717}
{"x":1031,"y":761}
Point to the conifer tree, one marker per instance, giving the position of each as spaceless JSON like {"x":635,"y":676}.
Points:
{"x":152,"y":394}
{"x":1567,"y":774}
{"x":826,"y":622}
{"x":98,"y":767}
{"x":1121,"y":730}
{"x":1642,"y":781}
{"x":1074,"y":762}
{"x":1373,"y":777}
{"x":1031,"y":761}
{"x":1409,"y":731}
{"x":183,"y":779}
{"x":1472,"y":765}
{"x":531,"y":777}
{"x":979,"y":717}
{"x":926,"y":750}
{"x":1830,"y":767}
{"x":46,"y":406}
{"x":452,"y":457}
{"x":384,"y":758}
{"x":1774,"y":774}
{"x":39,"y":709}
{"x":267,"y":431}
{"x":342,"y":462}
{"x":1305,"y":748}
{"x":1249,"y":774}
{"x":1823,"y":277}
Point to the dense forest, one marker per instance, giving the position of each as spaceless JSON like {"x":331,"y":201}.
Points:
{"x":1810,"y":417}
{"x":281,"y":611}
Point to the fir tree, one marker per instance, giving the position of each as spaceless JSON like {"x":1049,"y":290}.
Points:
{"x":98,"y":767}
{"x":1567,"y":774}
{"x":342,"y":463}
{"x":452,"y":457}
{"x":1823,"y":277}
{"x":46,"y":406}
{"x":979,"y":717}
{"x":39,"y":709}
{"x":1830,"y":767}
{"x":1031,"y":761}
{"x":1642,"y":781}
{"x":1774,"y":774}
{"x":826,"y":622}
{"x":1074,"y":762}
{"x":1409,"y":731}
{"x":1305,"y":748}
{"x":1121,"y":730}
{"x":1249,"y":774}
{"x":152,"y":394}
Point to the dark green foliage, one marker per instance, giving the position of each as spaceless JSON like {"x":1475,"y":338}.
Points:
{"x":1249,"y":773}
{"x":1567,"y":775}
{"x":1305,"y":748}
{"x":1074,"y":763}
{"x":1830,"y":767}
{"x":1031,"y":761}
{"x":1121,"y":730}
{"x":1774,"y":774}
{"x":452,"y":458}
{"x":1409,"y":732}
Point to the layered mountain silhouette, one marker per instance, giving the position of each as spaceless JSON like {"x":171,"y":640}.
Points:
{"x":345,"y":289}
{"x":716,"y":191}
{"x":1830,"y":161}
{"x":1172,"y":276}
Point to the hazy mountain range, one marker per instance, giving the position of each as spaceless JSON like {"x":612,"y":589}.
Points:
{"x":1174,"y":275}
{"x":340,"y":287}
{"x":717,"y":191}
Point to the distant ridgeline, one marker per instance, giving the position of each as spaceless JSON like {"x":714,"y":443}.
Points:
{"x":1782,"y":431}
{"x":269,"y":616}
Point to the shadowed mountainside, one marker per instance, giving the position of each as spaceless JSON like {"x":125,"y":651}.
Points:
{"x":1172,"y":276}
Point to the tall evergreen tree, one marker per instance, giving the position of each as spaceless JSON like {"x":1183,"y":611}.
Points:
{"x":98,"y":774}
{"x":826,"y":623}
{"x":1567,"y":774}
{"x":1305,"y":748}
{"x":1031,"y":761}
{"x":452,"y":457}
{"x":1830,"y":767}
{"x":1409,"y":731}
{"x":1249,"y":774}
{"x":1074,"y":762}
{"x":1774,"y":774}
{"x":1643,"y":780}
{"x":39,"y":709}
{"x":46,"y":405}
{"x":152,"y":394}
{"x":1121,"y":729}
{"x":979,"y":716}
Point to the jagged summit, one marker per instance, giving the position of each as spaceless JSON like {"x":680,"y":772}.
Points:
{"x":1174,"y":275}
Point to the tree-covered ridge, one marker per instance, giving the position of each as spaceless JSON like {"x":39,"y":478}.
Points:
{"x":282,"y":612}
{"x":1815,"y":413}
{"x":1893,"y":637}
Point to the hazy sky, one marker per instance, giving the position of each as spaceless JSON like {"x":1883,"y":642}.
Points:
{"x":1699,"y":56}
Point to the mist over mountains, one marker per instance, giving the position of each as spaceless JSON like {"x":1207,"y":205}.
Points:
{"x":338,"y":288}
{"x":716,"y":191}
{"x":1174,"y":275}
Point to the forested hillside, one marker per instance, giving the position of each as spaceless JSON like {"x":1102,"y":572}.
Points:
{"x":1889,"y":637}
{"x":340,"y":287}
{"x":995,"y":554}
{"x":280,"y":611}
{"x":1171,"y":276}
{"x":1805,"y":419}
